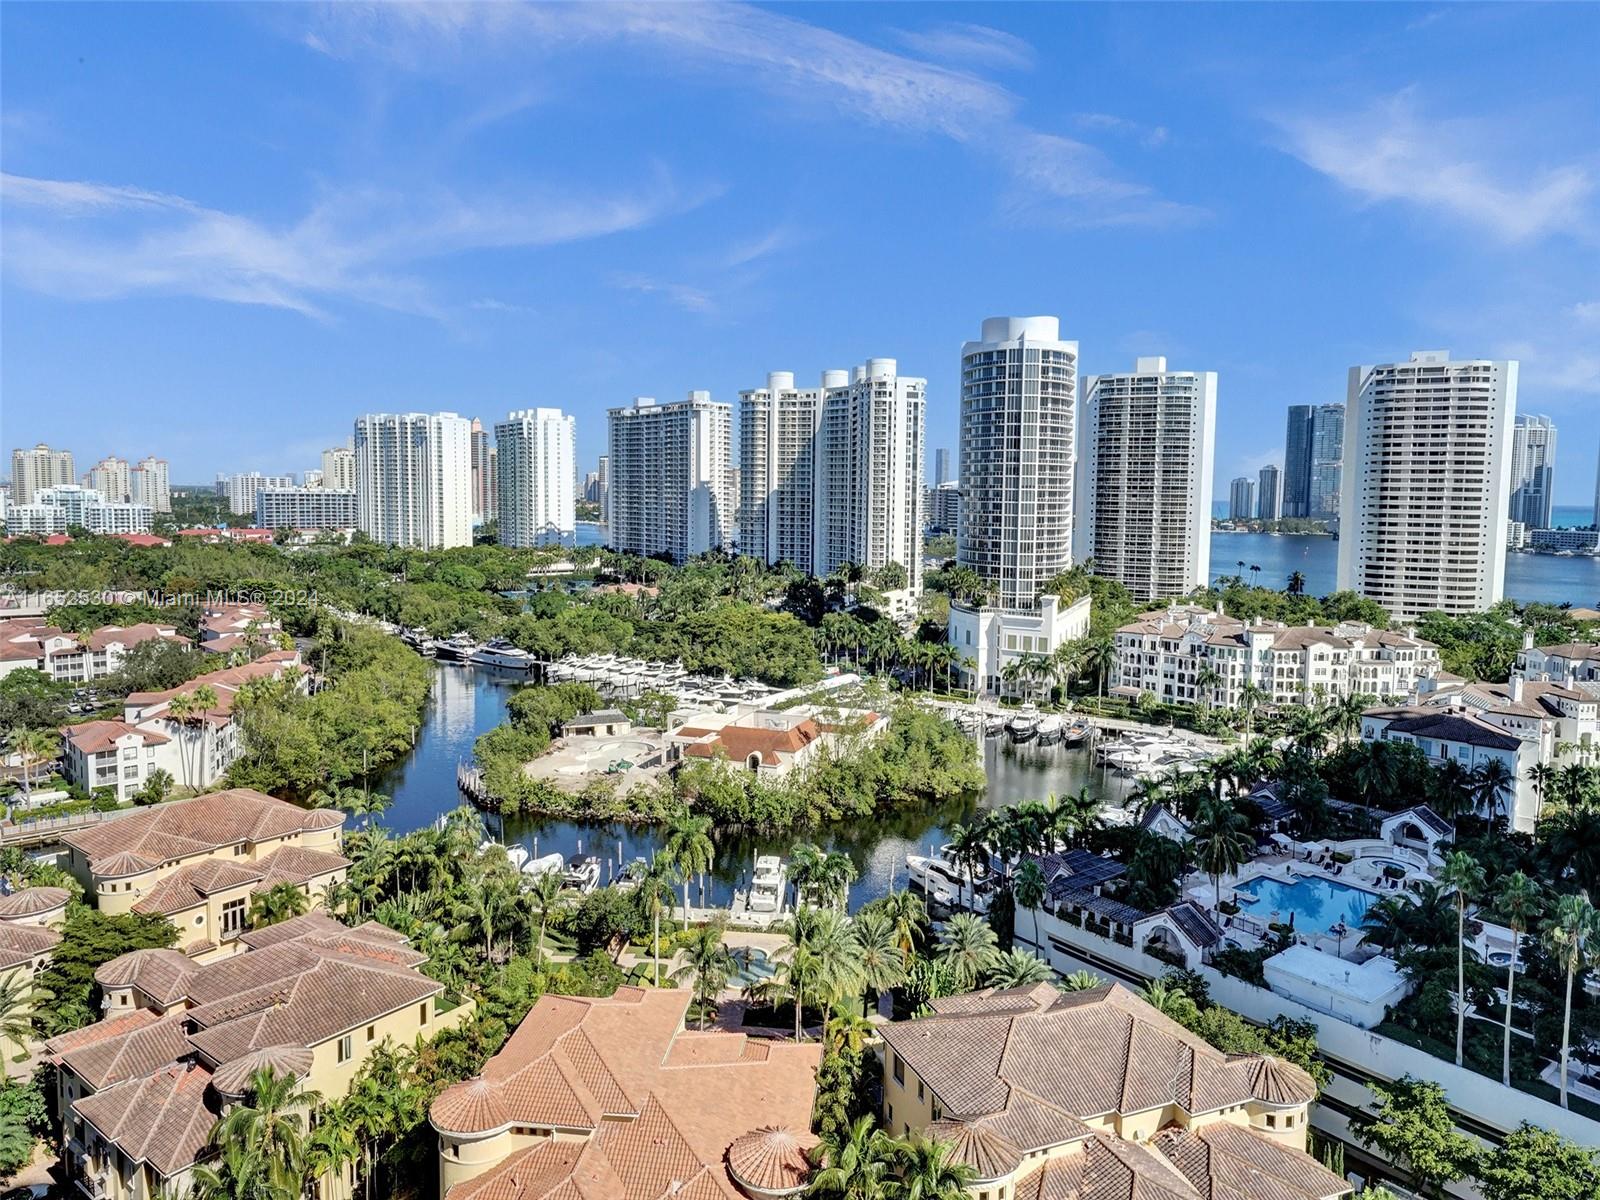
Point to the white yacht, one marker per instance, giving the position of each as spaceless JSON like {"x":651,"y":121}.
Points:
{"x":498,"y":652}
{"x":457,"y":646}
{"x":583,"y":872}
{"x":545,"y":864}
{"x":767,"y":885}
{"x":1049,"y":729}
{"x":1025,"y":724}
{"x":945,"y":882}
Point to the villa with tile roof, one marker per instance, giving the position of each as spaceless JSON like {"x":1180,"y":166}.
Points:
{"x":142,"y":1088}
{"x":1167,"y":652}
{"x":199,"y":862}
{"x":614,"y":1098}
{"x":771,"y":742}
{"x":1052,"y":1096}
{"x":122,"y":754}
{"x":74,"y":658}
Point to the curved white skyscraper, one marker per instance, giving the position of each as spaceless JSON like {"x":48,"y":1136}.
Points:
{"x":1019,"y":396}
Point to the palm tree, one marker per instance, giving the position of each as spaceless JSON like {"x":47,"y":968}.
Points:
{"x":278,"y":903}
{"x":1221,"y":841}
{"x":1464,"y":873}
{"x":1169,"y":1001}
{"x":1518,"y":903}
{"x":1492,"y":781}
{"x":1344,"y":714}
{"x":853,"y":1167}
{"x":1251,"y":697}
{"x":204,"y":699}
{"x":968,"y":949}
{"x":655,"y":889}
{"x":270,"y":1127}
{"x":924,"y":1170}
{"x":330,"y":1148}
{"x":1017,"y":968}
{"x":820,"y":961}
{"x":1206,"y":680}
{"x":181,"y":710}
{"x":18,"y":1002}
{"x":1030,"y":891}
{"x":707,"y":966}
{"x":689,"y":849}
{"x":1572,"y":936}
{"x":544,"y":892}
{"x":1080,"y":981}
{"x":1099,"y":655}
{"x":32,"y":746}
{"x":881,"y":961}
{"x":1297,"y":583}
{"x":908,"y":915}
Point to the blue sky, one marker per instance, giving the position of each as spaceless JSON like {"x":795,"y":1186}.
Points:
{"x":228,"y":229}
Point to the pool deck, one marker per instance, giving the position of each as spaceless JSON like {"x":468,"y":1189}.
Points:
{"x":572,"y":763}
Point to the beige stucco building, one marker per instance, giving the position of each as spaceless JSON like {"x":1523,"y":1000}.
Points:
{"x":613,"y":1097}
{"x":142,"y":1089}
{"x":1045,"y":1094}
{"x":199,"y":862}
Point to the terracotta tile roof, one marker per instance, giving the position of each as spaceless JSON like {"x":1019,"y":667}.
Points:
{"x":1226,"y":1160}
{"x":164,"y":1119}
{"x":1088,"y":1053}
{"x":30,"y":902}
{"x":664,"y":1108}
{"x":224,"y":682}
{"x":296,"y":864}
{"x":129,"y":636}
{"x":739,"y":742}
{"x":233,"y":1079}
{"x":111,"y":1027}
{"x":93,"y":737}
{"x":180,"y":828}
{"x":189,"y":886}
{"x":771,"y":1159}
{"x":162,"y":975}
{"x":1109,"y":1169}
{"x":19,"y":943}
{"x":131,"y":1050}
{"x":319,"y":924}
{"x":989,"y":1153}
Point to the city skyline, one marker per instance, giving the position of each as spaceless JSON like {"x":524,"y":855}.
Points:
{"x":317,"y":287}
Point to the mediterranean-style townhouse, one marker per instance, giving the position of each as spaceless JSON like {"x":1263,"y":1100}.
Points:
{"x":30,"y":919}
{"x":74,"y":658}
{"x":199,"y":862}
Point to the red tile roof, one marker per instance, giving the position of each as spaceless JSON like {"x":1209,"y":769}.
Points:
{"x":94,"y":737}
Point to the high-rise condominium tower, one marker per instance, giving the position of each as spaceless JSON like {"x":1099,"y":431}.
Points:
{"x":669,"y":476}
{"x":1313,"y":458}
{"x":1427,"y":475}
{"x":150,"y":483}
{"x":413,"y":479}
{"x":1242,"y":499}
{"x":535,"y":504}
{"x":34,"y":470}
{"x":485,"y":491}
{"x":1019,"y":394}
{"x":941,"y":468}
{"x":1269,"y":493}
{"x":242,"y":487}
{"x":111,"y":479}
{"x":1533,"y":471}
{"x":339,"y":469}
{"x":833,"y":474}
{"x":1144,"y":477}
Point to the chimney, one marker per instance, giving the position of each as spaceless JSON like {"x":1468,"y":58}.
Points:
{"x":1516,"y":688}
{"x":1527,"y":639}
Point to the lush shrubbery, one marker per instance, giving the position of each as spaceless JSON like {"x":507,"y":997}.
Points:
{"x":89,"y":939}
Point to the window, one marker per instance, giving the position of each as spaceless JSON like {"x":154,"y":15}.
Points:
{"x":899,"y":1069}
{"x":422,"y":1013}
{"x":345,"y":1048}
{"x":372,"y":1032}
{"x":232,"y":917}
{"x":1272,"y":1120}
{"x":919,"y":1089}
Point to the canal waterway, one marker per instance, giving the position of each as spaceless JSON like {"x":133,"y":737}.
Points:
{"x":467,"y":701}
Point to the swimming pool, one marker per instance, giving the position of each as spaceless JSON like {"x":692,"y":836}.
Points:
{"x":1317,"y":904}
{"x":752,"y":966}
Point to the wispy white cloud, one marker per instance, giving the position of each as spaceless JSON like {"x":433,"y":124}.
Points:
{"x":1587,"y":312}
{"x":969,"y":45}
{"x":1149,"y":136}
{"x":89,"y":240}
{"x":691,"y":299}
{"x":1392,"y":152}
{"x":792,"y":62}
{"x":752,"y":250}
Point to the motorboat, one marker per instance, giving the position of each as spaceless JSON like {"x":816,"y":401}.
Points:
{"x":945,"y":882}
{"x":767,"y":885}
{"x":1076,"y":732}
{"x":497,"y":652}
{"x":633,"y":874}
{"x":1025,"y":724}
{"x":517,"y":855}
{"x":1049,"y":729}
{"x":582,"y":873}
{"x":458,"y":647}
{"x":547,"y":864}
{"x":994,"y":726}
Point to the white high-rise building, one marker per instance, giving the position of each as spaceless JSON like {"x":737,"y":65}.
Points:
{"x":534,"y":457}
{"x":61,"y":508}
{"x":1427,"y":475}
{"x":305,"y":508}
{"x":414,"y":479}
{"x":1242,"y":499}
{"x":34,"y":470}
{"x":485,"y":493}
{"x":668,"y":463}
{"x":110,"y":477}
{"x":339,"y":469}
{"x":149,"y":482}
{"x":1144,"y":478}
{"x":1269,"y":493}
{"x":242,"y":486}
{"x":1019,"y":395}
{"x":1533,"y":471}
{"x":833,"y":474}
